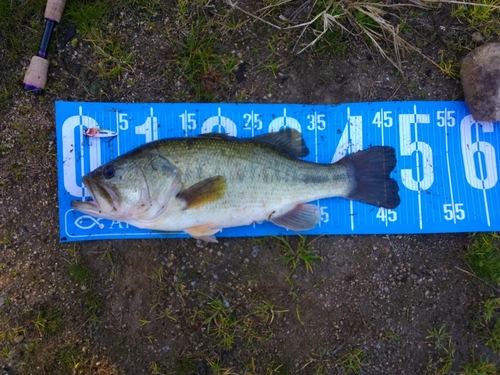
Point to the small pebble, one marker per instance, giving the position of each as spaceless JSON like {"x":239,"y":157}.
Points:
{"x":18,"y":339}
{"x":477,"y":38}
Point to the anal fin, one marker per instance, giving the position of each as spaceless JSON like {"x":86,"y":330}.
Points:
{"x":302,"y":217}
{"x":203,"y":232}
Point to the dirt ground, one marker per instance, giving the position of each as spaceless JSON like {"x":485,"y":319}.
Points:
{"x":184,"y":307}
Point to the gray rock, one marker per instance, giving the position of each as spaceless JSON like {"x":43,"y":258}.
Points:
{"x":480,"y":76}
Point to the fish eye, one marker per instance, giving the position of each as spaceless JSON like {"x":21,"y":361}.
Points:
{"x":108,"y":171}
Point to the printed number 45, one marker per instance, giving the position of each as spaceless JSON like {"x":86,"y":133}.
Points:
{"x":386,"y":215}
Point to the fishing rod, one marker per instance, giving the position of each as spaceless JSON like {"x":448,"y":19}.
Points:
{"x":36,"y":75}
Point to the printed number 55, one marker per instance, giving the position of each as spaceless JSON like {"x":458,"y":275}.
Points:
{"x":453,"y":211}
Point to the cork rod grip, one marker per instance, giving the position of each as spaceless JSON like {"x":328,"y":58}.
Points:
{"x":36,"y":75}
{"x":54,"y":9}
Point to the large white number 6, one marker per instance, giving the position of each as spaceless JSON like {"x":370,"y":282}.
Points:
{"x":481,"y":172}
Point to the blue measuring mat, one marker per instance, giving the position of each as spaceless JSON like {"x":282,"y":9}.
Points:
{"x":447,"y":163}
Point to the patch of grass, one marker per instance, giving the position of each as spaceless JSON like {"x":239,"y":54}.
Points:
{"x":390,"y":335}
{"x":114,"y":60}
{"x":294,"y":256}
{"x":255,"y":326}
{"x":331,"y":42}
{"x":198,"y":61}
{"x":493,"y":333}
{"x":5,"y":352}
{"x":489,"y":323}
{"x":82,"y":275}
{"x":78,"y":270}
{"x":352,"y":361}
{"x":70,"y":360}
{"x":448,"y":66}
{"x":9,"y":333}
{"x":444,"y":347}
{"x":273,"y":62}
{"x":200,"y":58}
{"x":221,"y":322}
{"x":482,"y":16}
{"x":483,"y":256}
{"x":318,"y":360}
{"x":300,"y":254}
{"x":236,"y":326}
{"x":6,"y":239}
{"x":479,"y":367}
{"x":93,"y":302}
{"x":491,"y":307}
{"x":4,"y":95}
{"x":266,"y":311}
{"x":107,"y":255}
{"x":218,"y":368}
{"x":13,"y":16}
{"x":277,"y":366}
{"x":158,"y":368}
{"x":49,"y":322}
{"x":87,"y":16}
{"x":184,"y":363}
{"x":164,"y":314}
{"x":94,"y":22}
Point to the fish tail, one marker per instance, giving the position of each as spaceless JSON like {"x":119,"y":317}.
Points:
{"x":369,"y":171}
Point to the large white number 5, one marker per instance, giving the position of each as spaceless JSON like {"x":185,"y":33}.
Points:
{"x":423,"y":153}
{"x":480,"y":170}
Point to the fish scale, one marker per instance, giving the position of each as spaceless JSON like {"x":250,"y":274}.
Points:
{"x":254,"y":171}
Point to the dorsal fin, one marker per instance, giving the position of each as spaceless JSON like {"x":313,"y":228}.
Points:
{"x":215,"y":135}
{"x":288,"y":140}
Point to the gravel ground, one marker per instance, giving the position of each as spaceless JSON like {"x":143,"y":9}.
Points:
{"x":185,"y":307}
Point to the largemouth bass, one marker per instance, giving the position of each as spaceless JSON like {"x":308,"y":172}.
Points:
{"x":202,"y":184}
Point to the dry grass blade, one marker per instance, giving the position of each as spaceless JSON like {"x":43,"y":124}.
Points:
{"x":425,"y":2}
{"x":235,"y":6}
{"x":387,"y":32}
{"x":368,"y":19}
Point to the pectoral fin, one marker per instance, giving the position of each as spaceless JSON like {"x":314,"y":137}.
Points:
{"x":204,"y":192}
{"x":203,"y":232}
{"x":302,"y":217}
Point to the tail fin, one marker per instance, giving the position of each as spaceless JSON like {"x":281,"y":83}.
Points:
{"x":369,"y":170}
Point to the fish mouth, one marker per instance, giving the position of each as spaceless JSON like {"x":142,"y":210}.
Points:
{"x":103,"y":202}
